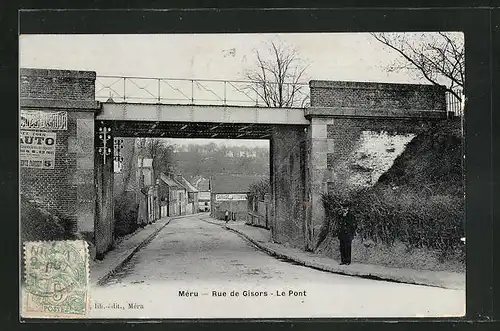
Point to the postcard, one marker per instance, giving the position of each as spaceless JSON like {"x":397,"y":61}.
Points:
{"x":213,"y":176}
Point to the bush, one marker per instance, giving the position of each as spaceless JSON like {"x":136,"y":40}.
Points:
{"x":260,"y":189}
{"x":37,"y":224}
{"x":126,"y":211}
{"x":415,"y":218}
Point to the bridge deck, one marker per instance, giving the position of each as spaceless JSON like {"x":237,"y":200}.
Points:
{"x":193,"y":121}
{"x":201,"y":114}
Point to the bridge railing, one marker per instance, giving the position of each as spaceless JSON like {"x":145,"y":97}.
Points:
{"x":200,"y":92}
{"x":215,"y":92}
{"x":455,"y":104}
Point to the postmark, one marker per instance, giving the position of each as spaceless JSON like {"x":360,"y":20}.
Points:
{"x":56,"y":279}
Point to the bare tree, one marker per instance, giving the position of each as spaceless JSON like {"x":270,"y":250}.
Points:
{"x":277,"y":77}
{"x":437,"y":57}
{"x":161,"y":154}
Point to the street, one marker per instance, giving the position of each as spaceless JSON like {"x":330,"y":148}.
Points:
{"x":194,"y":269}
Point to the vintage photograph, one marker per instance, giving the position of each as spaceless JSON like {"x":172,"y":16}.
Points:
{"x":213,"y":176}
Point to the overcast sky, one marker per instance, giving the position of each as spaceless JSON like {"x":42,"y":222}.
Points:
{"x":330,"y":56}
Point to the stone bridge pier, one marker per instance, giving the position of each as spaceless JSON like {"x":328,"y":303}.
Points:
{"x":356,"y":132}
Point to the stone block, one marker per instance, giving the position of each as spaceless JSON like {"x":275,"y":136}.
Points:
{"x":318,"y":160}
{"x":319,"y":145}
{"x":322,"y":120}
{"x":85,"y":162}
{"x":83,"y":176}
{"x":319,"y":131}
{"x":85,"y":135}
{"x":85,"y":219}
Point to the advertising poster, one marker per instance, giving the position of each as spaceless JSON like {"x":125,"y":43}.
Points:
{"x":230,"y":197}
{"x":37,"y":149}
{"x":43,"y":120}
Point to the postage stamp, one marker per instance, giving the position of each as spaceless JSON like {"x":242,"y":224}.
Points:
{"x":56,"y":279}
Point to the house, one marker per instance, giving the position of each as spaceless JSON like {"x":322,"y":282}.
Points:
{"x":192,"y":194}
{"x":124,"y":178}
{"x":149,"y":207}
{"x":230,"y":192}
{"x":203,"y":186}
{"x":172,"y":195}
{"x":145,"y":170}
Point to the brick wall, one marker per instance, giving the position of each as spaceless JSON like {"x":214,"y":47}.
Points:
{"x":68,"y":189}
{"x":346,"y":132}
{"x":57,"y":84}
{"x":365,"y":148}
{"x":375,"y":96}
{"x":53,"y":188}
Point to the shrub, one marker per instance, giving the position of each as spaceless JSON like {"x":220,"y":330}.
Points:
{"x":38,"y":224}
{"x":415,"y":218}
{"x":126,"y":212}
{"x":260,"y":189}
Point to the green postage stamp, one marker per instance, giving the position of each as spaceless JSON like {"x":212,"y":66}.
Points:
{"x":56,"y":279}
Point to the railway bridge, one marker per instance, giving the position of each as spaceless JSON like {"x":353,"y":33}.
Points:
{"x":343,"y":138}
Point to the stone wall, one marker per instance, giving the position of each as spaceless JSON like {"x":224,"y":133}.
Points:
{"x":68,"y":189}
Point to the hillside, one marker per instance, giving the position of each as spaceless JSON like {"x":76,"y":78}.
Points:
{"x":431,"y":161}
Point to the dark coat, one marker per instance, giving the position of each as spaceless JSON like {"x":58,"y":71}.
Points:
{"x":347,"y":226}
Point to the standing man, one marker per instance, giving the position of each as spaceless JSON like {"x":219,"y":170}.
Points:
{"x":347,"y":228}
{"x":226,"y":216}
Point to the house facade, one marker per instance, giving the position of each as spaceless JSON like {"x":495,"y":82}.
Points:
{"x":192,"y":195}
{"x":203,"y":186}
{"x":173,"y":196}
{"x":149,"y":206}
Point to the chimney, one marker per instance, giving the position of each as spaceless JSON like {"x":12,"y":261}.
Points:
{"x":178,"y":178}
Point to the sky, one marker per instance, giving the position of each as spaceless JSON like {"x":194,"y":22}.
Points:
{"x":329,"y":56}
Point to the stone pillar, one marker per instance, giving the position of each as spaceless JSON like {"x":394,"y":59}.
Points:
{"x":61,"y":103}
{"x":319,"y":146}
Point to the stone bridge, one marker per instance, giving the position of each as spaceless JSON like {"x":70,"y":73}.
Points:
{"x":348,"y":136}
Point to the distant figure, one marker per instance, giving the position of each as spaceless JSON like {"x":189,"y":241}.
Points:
{"x":347,"y":228}
{"x":226,"y":216}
